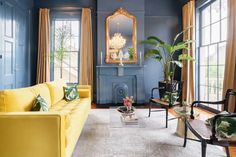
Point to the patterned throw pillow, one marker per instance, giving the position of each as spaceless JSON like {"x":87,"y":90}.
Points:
{"x":170,"y":97}
{"x":71,"y":93}
{"x":40,"y":104}
{"x":225,"y":126}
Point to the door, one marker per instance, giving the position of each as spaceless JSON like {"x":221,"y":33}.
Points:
{"x":21,"y":68}
{"x":7,"y":49}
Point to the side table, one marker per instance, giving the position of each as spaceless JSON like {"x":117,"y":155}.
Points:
{"x":183,"y":115}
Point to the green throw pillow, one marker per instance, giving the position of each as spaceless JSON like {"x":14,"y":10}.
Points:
{"x":170,"y":97}
{"x":71,"y":93}
{"x":225,"y":126}
{"x":40,"y":104}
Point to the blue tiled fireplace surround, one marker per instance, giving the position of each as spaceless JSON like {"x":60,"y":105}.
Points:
{"x":114,"y":82}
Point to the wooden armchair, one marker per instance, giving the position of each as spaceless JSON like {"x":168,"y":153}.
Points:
{"x":207,"y":134}
{"x":163,"y":105}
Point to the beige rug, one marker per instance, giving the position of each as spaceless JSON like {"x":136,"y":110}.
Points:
{"x":99,"y":139}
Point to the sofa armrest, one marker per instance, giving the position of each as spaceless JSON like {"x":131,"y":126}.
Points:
{"x":28,"y":134}
{"x":84,"y":91}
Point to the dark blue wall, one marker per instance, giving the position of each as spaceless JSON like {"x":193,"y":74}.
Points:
{"x":163,"y":18}
{"x":22,"y":37}
{"x":55,"y":5}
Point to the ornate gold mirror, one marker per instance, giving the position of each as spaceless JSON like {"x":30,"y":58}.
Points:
{"x":121,"y":42}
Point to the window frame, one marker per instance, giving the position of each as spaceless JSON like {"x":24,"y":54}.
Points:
{"x":199,"y":45}
{"x":64,"y":15}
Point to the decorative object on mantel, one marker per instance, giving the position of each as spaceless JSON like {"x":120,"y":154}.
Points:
{"x":164,"y":52}
{"x":121,"y":38}
{"x":101,"y":62}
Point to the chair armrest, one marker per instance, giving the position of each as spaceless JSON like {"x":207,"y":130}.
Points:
{"x":205,"y":102}
{"x":213,"y":137}
{"x":84,"y":91}
{"x":153,"y":89}
{"x":28,"y":134}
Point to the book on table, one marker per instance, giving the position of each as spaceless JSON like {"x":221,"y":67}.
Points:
{"x":129,"y":119}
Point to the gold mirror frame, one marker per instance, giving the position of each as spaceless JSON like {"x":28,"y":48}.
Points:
{"x":121,"y":11}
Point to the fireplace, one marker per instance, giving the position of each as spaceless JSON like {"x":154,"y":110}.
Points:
{"x":114,"y":83}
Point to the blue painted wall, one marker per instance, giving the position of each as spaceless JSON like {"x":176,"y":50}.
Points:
{"x":162,"y":19}
{"x":53,"y":5}
{"x":22,"y":39}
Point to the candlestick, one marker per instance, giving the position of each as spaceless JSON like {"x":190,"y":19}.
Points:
{"x":101,"y":57}
{"x":140,"y":57}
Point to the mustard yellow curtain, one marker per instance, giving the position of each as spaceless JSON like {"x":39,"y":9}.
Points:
{"x":86,"y":53}
{"x":43,"y":64}
{"x":188,"y":69}
{"x":230,"y":63}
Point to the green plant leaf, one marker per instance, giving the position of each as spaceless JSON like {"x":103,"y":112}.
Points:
{"x":149,"y":42}
{"x":156,"y":38}
{"x":177,"y":36}
{"x":166,"y":46}
{"x":186,"y":57}
{"x":178,"y":63}
{"x":151,"y":52}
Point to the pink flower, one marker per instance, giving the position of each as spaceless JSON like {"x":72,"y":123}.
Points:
{"x":128,"y":101}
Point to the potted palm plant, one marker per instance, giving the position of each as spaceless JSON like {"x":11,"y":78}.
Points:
{"x":164,"y":53}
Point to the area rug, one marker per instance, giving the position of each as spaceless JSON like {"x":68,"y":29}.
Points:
{"x":99,"y":139}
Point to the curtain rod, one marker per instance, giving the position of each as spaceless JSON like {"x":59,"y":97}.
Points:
{"x":69,"y":8}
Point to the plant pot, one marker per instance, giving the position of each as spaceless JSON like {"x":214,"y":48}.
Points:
{"x":172,"y":86}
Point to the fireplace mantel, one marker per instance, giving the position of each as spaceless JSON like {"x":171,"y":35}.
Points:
{"x":113,"y":81}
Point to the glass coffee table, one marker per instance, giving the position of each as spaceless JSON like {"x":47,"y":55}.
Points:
{"x":117,"y":120}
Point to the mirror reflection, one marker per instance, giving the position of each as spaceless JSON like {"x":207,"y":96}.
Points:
{"x":121,"y":38}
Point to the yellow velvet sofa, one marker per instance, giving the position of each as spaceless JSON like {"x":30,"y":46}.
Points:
{"x":24,"y":133}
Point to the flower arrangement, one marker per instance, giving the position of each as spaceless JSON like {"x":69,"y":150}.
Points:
{"x":128,"y":101}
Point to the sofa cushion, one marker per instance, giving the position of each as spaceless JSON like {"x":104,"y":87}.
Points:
{"x":71,"y":92}
{"x":56,"y":90}
{"x":43,"y":91}
{"x":40,"y":104}
{"x":16,"y":100}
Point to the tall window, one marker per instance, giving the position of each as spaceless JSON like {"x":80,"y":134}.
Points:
{"x":211,"y":51}
{"x":66,"y":49}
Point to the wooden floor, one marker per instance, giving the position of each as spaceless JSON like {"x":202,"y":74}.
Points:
{"x":204,"y":115}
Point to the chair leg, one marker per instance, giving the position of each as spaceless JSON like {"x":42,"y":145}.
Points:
{"x":227,"y":151}
{"x":185,"y":133}
{"x":150,"y":107}
{"x":204,"y":146}
{"x":166,"y":117}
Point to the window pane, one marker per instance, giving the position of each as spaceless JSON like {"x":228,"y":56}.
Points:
{"x":204,"y":75}
{"x":204,"y":55}
{"x":65,"y":74}
{"x":213,"y":55}
{"x":57,"y":73}
{"x":224,"y":8}
{"x":74,"y":59}
{"x":215,"y":11}
{"x":204,"y":93}
{"x":74,"y":75}
{"x":212,"y":50}
{"x":212,"y":76}
{"x":222,"y":50}
{"x":213,"y":94}
{"x":206,"y":35}
{"x":223,"y":30}
{"x":206,"y":16}
{"x":215,"y":32}
{"x":66,"y":39}
{"x":74,"y":44}
{"x":75,"y":28}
